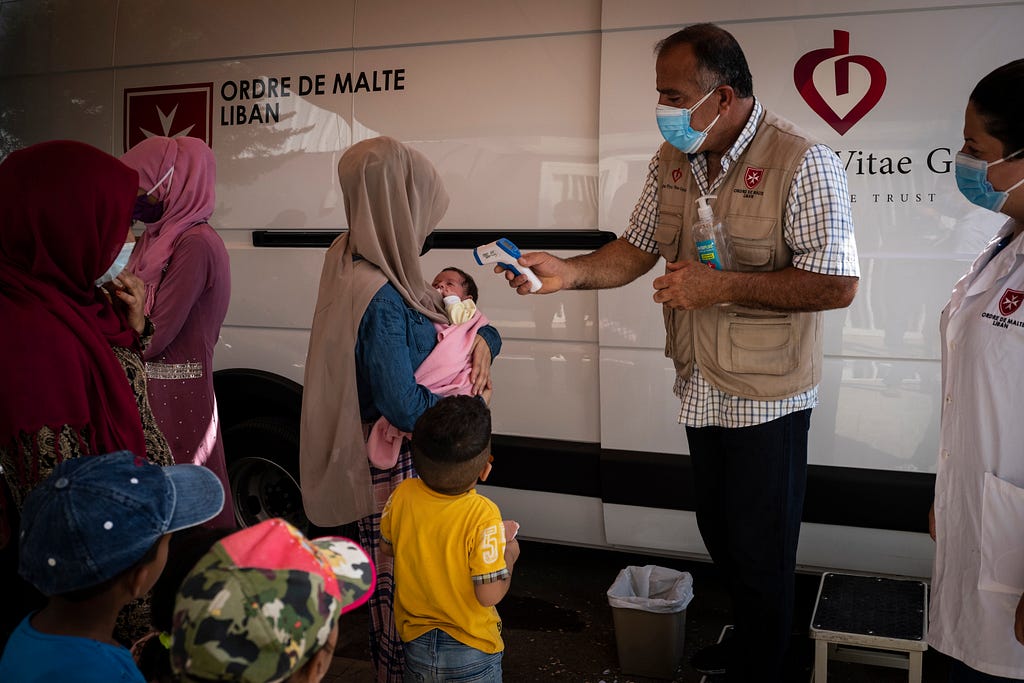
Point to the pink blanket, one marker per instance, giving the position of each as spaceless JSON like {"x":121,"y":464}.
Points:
{"x":445,"y":371}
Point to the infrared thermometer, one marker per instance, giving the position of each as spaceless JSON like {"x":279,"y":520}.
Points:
{"x":505,"y":254}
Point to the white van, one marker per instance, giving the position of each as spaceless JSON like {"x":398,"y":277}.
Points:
{"x":540,"y":117}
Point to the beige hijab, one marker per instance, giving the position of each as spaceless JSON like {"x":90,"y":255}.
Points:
{"x":394,"y":198}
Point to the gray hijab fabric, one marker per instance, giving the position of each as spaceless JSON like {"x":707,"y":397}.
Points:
{"x":394,"y":198}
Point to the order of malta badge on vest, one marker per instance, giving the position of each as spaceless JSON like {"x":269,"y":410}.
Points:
{"x":752,"y":177}
{"x":1010,"y":301}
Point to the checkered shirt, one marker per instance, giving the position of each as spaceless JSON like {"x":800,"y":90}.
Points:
{"x":817,"y":226}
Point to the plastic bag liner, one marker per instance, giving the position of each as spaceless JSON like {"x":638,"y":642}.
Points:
{"x":652,"y":589}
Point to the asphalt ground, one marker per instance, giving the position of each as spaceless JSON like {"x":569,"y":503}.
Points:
{"x":558,"y":626}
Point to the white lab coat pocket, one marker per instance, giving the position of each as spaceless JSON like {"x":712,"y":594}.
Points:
{"x":1002,"y":537}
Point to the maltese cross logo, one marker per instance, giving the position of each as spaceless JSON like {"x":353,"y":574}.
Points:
{"x":169,"y":110}
{"x":752,"y":178}
{"x":1010,"y":301}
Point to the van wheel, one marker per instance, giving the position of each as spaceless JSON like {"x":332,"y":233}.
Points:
{"x":263,"y":470}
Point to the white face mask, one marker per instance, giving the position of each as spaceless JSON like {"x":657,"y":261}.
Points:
{"x":118,"y":265}
{"x":166,"y":176}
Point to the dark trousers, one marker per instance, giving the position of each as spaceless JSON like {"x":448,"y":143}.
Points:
{"x":750,"y":484}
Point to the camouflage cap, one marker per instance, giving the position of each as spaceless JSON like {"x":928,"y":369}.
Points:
{"x":263,"y":601}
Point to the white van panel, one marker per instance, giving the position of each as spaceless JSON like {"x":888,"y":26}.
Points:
{"x":556,"y":517}
{"x":69,"y":36}
{"x":505,"y":166}
{"x":82,"y":112}
{"x":547,"y":390}
{"x":639,"y":377}
{"x":398,"y":22}
{"x":902,"y":553}
{"x":248,"y":347}
{"x":674,"y":532}
{"x":822,"y":546}
{"x":629,"y":316}
{"x":206,"y":30}
{"x":667,"y":13}
{"x":877,"y":414}
{"x":270,"y":272}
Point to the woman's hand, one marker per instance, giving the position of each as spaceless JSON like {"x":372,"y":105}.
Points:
{"x":480,"y":375}
{"x":131,"y":291}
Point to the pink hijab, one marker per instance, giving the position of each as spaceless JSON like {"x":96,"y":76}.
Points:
{"x":181,"y":172}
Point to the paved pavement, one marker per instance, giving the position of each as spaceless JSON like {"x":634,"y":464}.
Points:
{"x":559,"y":627}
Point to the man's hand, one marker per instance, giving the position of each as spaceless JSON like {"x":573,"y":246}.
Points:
{"x":551,"y":270}
{"x":689,"y":285}
{"x":131,"y":291}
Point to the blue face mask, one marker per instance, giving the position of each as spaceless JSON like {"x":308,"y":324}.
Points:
{"x":674,"y":124}
{"x":972,"y":179}
{"x":119,"y":264}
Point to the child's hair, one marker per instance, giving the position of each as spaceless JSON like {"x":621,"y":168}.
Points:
{"x":471,"y":288}
{"x":450,"y":443}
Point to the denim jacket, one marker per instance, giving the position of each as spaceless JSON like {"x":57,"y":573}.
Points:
{"x":393,"y":340}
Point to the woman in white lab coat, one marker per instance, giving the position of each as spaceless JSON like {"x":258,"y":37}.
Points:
{"x":977,"y":610}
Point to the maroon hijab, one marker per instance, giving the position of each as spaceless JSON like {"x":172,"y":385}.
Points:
{"x":65,"y":208}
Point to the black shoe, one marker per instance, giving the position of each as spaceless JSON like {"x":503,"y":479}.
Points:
{"x":713,"y":659}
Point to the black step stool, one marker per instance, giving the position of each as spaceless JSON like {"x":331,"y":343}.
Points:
{"x":869,"y":620}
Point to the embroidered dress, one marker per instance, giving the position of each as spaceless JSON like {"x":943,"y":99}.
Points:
{"x":184,"y":266}
{"x":189,"y":307}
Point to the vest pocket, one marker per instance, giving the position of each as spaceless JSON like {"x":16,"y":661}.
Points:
{"x":666,"y":233}
{"x":753,"y":242}
{"x":756,"y":342}
{"x":753,"y":256}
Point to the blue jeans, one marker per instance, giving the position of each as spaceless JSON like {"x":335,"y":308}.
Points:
{"x":438,"y":658}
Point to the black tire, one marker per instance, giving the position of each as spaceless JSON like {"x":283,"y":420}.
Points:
{"x":262,"y":456}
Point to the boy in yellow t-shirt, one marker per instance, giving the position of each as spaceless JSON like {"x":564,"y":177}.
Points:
{"x":452,"y":561}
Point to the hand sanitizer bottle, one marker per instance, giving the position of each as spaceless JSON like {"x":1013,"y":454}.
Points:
{"x":711,"y":237}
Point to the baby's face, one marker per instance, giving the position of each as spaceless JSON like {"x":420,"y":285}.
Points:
{"x":449,"y":282}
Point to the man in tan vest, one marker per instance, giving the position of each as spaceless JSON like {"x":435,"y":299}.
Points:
{"x":746,"y":342}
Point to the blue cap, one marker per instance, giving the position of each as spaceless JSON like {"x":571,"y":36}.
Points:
{"x":97,"y":516}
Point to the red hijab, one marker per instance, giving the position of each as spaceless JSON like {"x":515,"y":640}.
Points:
{"x":65,"y":208}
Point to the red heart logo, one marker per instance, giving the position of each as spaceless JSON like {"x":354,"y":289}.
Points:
{"x":803,"y":77}
{"x":676,"y":175}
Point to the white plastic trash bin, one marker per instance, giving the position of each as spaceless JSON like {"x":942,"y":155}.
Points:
{"x":649,"y":611}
